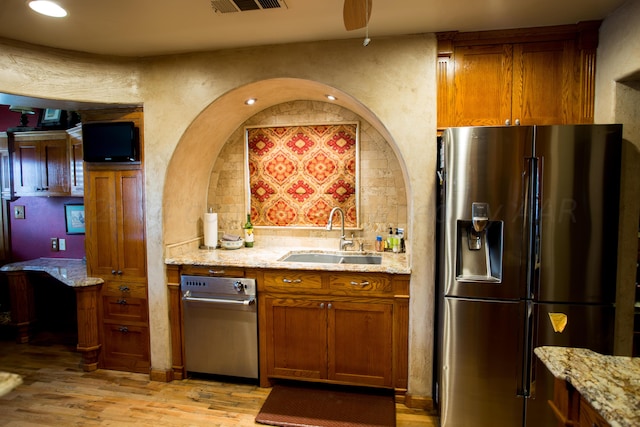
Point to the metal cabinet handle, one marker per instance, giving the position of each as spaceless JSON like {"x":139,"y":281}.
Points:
{"x":123,"y":329}
{"x":216,"y":272}
{"x":116,"y":272}
{"x":321,"y":305}
{"x":329,"y":306}
{"x":124,"y":288}
{"x":122,"y":301}
{"x":285,"y":280}
{"x":517,"y":122}
{"x":507,"y":122}
{"x":364,"y":283}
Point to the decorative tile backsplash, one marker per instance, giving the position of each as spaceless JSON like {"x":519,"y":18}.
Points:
{"x":382,"y":194}
{"x":297,"y":174}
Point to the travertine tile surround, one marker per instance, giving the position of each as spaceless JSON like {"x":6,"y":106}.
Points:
{"x":383,"y":202}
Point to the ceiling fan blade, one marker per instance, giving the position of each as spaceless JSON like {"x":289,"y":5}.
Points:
{"x":356,"y":13}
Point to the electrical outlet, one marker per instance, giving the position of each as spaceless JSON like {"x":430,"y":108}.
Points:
{"x":18,"y":212}
{"x":54,"y":244}
{"x":62,"y":244}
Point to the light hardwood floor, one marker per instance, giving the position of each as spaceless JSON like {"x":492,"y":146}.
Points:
{"x":56,"y":392}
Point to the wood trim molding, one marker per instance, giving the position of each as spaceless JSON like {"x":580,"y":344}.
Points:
{"x":583,"y":31}
{"x":419,"y":402}
{"x":161,"y":375}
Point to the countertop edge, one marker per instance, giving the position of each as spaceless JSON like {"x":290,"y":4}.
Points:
{"x":270,"y":258}
{"x":610,"y":384}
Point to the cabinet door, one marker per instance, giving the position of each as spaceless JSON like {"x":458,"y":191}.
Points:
{"x":543,"y":80}
{"x":101,"y":224}
{"x":296,"y":338}
{"x":54,"y":167}
{"x":115,"y":224}
{"x":360,"y":342}
{"x":482,"y":85}
{"x":26,"y":168}
{"x":130,"y":218}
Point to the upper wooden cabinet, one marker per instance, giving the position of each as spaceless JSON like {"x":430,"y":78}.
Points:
{"x":534,"y":76}
{"x":40,"y":164}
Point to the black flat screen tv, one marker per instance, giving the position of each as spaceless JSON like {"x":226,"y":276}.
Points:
{"x":110,"y":142}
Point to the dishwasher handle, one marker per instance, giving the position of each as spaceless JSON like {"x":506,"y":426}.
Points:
{"x":249,"y":301}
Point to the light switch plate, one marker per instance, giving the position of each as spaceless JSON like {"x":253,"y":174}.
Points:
{"x":18,"y":212}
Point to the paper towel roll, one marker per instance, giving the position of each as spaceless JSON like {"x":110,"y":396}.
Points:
{"x":211,"y":229}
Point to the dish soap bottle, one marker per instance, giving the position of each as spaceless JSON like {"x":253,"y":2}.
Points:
{"x":248,"y":232}
{"x":389,"y":241}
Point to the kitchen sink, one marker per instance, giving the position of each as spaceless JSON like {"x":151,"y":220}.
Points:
{"x":324,"y":258}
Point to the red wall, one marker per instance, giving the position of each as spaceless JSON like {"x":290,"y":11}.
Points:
{"x":44,"y":216}
{"x":9,"y":119}
{"x":44,"y":219}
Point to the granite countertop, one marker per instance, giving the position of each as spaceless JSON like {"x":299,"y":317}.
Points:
{"x":611,"y":384}
{"x":8,"y":382}
{"x":269,"y":257}
{"x":71,"y":272}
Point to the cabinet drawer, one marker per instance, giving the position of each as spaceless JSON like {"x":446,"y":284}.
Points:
{"x":126,"y":290}
{"x":365,"y":283}
{"x":291,"y":280}
{"x":125,"y":309}
{"x":126,"y":348}
{"x":204,"y":270}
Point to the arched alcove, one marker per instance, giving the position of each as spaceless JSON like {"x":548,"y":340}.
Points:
{"x":187,"y":179}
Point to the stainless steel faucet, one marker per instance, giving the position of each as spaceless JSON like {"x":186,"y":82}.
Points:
{"x":343,"y":242}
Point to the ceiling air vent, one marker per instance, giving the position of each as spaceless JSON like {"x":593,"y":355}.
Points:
{"x":229,"y":6}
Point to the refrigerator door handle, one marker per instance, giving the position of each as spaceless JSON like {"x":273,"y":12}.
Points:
{"x":532,"y":214}
{"x":526,"y":378}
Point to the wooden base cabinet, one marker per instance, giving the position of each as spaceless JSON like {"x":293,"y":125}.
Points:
{"x":571,"y":409}
{"x":343,"y":328}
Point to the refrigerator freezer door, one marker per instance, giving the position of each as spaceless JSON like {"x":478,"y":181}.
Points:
{"x":482,"y":360}
{"x":485,"y":166}
{"x":580,"y":175}
{"x":587,"y":326}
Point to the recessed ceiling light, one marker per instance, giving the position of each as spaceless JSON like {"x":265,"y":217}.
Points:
{"x":250,"y":101}
{"x":48,"y":8}
{"x":331,"y":97}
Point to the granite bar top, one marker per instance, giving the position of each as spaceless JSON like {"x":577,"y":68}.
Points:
{"x":611,"y":384}
{"x":270,"y":257}
{"x":71,"y":272}
{"x":8,"y":382}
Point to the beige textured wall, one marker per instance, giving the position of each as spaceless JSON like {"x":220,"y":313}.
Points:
{"x":617,"y":100}
{"x":390,"y":84}
{"x":193,"y":104}
{"x":383,"y":201}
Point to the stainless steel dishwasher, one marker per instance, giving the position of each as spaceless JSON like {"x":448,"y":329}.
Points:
{"x":220,"y":325}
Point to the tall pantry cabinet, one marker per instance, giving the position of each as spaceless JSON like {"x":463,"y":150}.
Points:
{"x":116,"y":252}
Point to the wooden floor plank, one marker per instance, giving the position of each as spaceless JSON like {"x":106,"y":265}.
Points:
{"x":57,"y":392}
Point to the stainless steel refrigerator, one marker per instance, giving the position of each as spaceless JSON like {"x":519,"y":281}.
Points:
{"x":527,"y":256}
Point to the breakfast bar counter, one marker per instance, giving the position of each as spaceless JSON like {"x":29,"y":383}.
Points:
{"x":71,"y":272}
{"x":609,"y":384}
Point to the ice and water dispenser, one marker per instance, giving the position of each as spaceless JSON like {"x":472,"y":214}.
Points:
{"x":479,"y":246}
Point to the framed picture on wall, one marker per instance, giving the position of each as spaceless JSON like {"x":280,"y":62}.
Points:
{"x":52,"y":119}
{"x":74,"y":218}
